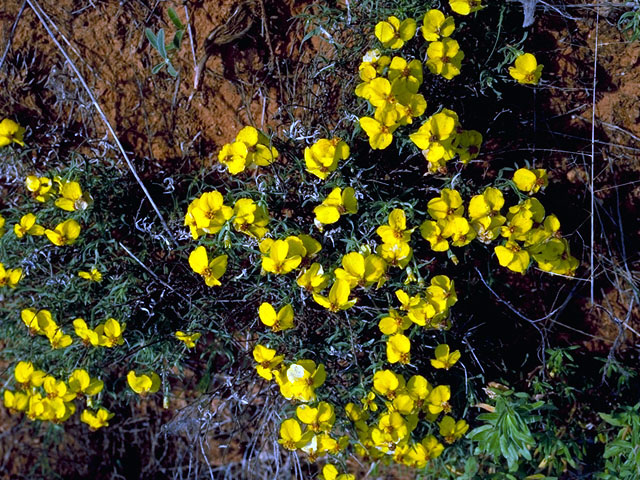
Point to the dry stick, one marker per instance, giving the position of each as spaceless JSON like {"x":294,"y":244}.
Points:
{"x":42,"y":16}
{"x":593,"y":156}
{"x":13,"y":30}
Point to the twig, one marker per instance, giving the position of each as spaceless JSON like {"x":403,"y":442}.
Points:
{"x":190,"y":30}
{"x":45,"y":20}
{"x":13,"y":30}
{"x":593,"y":158}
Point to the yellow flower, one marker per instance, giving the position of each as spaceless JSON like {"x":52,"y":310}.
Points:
{"x":398,"y":347}
{"x":143,"y":384}
{"x":27,"y":376}
{"x":338,"y":298}
{"x":283,"y":320}
{"x":388,"y":383}
{"x":319,"y":419}
{"x":40,"y":187}
{"x":530,"y":180}
{"x":405,"y":76}
{"x":110,"y":333}
{"x":465,"y":7}
{"x":10,"y":277}
{"x":444,"y":359}
{"x":526,"y":70}
{"x":93,"y":276}
{"x":208,"y":213}
{"x":234,"y":156}
{"x":64,"y":233}
{"x":395,"y":232}
{"x":260,"y":151}
{"x":28,"y":226}
{"x":447,"y":205}
{"x":300,"y":379}
{"x":291,"y":436}
{"x":445,"y":58}
{"x":393,"y":33}
{"x":359,"y":270}
{"x":395,"y":254}
{"x":250,"y":218}
{"x":2,"y":229}
{"x":435,"y":138}
{"x":38,"y":321}
{"x":438,"y":400}
{"x":72,"y":198}
{"x":452,"y":430}
{"x":96,"y":420}
{"x":313,"y":279}
{"x":380,"y":129}
{"x":87,"y":335}
{"x":436,"y":25}
{"x":212,"y":270}
{"x":280,"y":258}
{"x":432,"y":232}
{"x":428,"y":449}
{"x":10,"y":131}
{"x":322,"y":157}
{"x":188,"y":339}
{"x":337,"y":203}
{"x":59,"y":339}
{"x":469,"y":142}
{"x":15,"y":401}
{"x":81,"y":383}
{"x":394,"y":323}
{"x":512,"y":256}
{"x":267,"y":361}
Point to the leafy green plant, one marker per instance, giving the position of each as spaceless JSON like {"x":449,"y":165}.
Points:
{"x":506,"y":432}
{"x":629,"y":23}
{"x":622,"y":453}
{"x":157,"y":41}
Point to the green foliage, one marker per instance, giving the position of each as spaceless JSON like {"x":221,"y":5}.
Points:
{"x":622,"y":450}
{"x":157,"y":41}
{"x":629,"y":23}
{"x":505,"y":432}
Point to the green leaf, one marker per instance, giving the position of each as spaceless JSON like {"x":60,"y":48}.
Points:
{"x":177,"y":39}
{"x":157,"y":68}
{"x":172,"y":71}
{"x":161,"y":47}
{"x":610,"y":419}
{"x":175,"y":19}
{"x":151,"y":37}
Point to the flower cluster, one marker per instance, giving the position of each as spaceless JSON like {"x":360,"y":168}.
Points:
{"x":428,"y":310}
{"x":444,"y":56}
{"x":250,"y":148}
{"x":395,"y":236}
{"x":208,"y":214}
{"x":388,"y":436}
{"x":525,"y":228}
{"x":391,"y":87}
{"x":107,"y":334}
{"x":441,"y":138}
{"x":41,"y":322}
{"x":283,"y":256}
{"x":43,"y":397}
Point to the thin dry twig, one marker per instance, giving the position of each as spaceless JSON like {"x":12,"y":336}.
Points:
{"x":593,"y":160}
{"x":13,"y":30}
{"x":46,"y":23}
